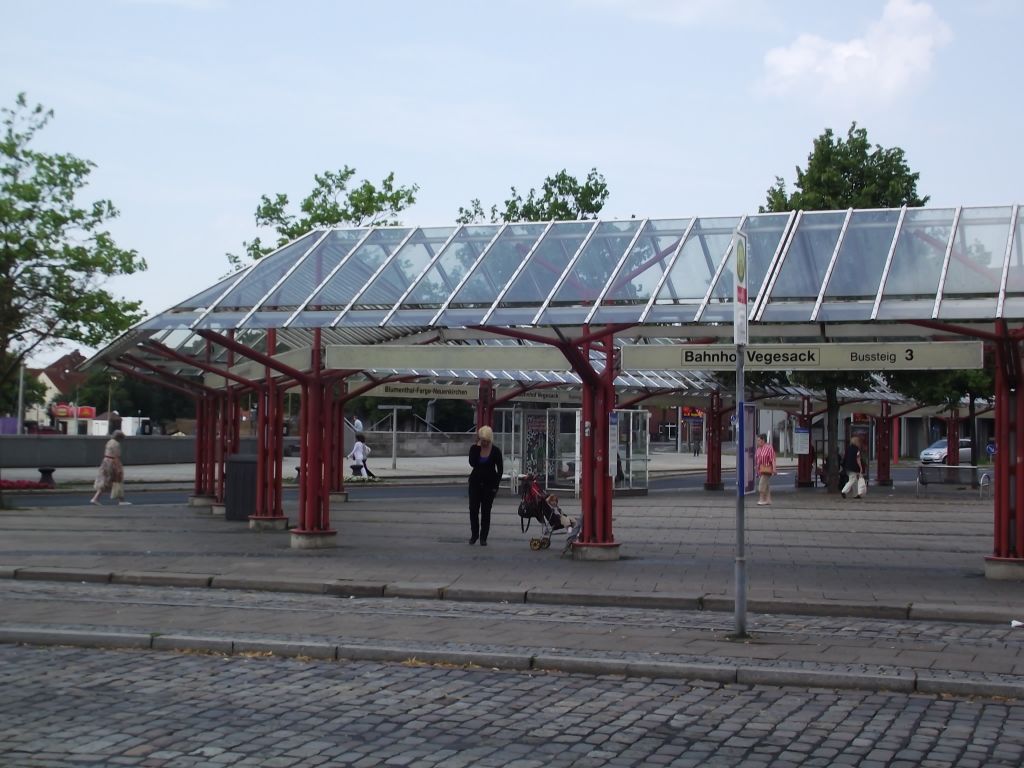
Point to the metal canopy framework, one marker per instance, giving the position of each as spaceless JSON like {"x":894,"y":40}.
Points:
{"x":373,"y":284}
{"x":584,"y":288}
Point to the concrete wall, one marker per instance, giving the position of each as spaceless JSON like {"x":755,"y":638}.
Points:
{"x":86,"y":451}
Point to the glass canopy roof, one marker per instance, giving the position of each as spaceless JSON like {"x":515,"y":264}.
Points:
{"x":953,"y":264}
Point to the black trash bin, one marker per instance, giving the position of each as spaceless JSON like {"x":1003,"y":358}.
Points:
{"x":240,"y":487}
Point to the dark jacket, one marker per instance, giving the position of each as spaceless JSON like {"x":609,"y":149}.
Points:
{"x":486,"y":472}
{"x":851,"y":461}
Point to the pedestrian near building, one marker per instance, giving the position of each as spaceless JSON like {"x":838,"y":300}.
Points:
{"x":484,"y":481}
{"x":357,"y":457}
{"x":110,"y":475}
{"x":764,"y":460}
{"x":853,"y":463}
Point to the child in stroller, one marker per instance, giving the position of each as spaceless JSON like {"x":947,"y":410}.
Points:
{"x":537,"y":504}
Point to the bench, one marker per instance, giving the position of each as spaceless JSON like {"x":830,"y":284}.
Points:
{"x":46,"y":477}
{"x":967,"y":474}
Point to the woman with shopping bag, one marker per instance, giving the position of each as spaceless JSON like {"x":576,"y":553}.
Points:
{"x":853,"y":463}
{"x":110,"y":475}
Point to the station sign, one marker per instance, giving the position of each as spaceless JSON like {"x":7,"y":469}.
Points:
{"x":891,"y":356}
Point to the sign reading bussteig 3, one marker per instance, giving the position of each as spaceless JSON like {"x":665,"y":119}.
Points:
{"x":937,"y":355}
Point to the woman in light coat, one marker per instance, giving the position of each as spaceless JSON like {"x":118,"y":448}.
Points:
{"x":110,"y":475}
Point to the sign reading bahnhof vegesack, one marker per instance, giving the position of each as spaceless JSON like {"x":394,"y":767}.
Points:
{"x":936,"y":355}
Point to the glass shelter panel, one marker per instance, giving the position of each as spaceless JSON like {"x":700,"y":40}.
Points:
{"x":207,"y":297}
{"x":764,"y":234}
{"x":636,"y":281}
{"x":562,"y":465}
{"x":308,"y":275}
{"x":976,"y":263}
{"x":356,"y":272}
{"x":853,"y":284}
{"x":549,"y":260}
{"x":595,"y":266}
{"x":913,"y":279}
{"x":444,"y":275}
{"x":498,"y":266}
{"x":805,"y":263}
{"x":632,"y":459}
{"x":694,"y":269}
{"x":1014,"y":303}
{"x":254,"y":286}
{"x":405,"y":266}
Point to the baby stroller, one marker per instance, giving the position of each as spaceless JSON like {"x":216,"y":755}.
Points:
{"x":537,"y":504}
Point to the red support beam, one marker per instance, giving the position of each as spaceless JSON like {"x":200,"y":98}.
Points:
{"x":883,"y":446}
{"x":713,"y":481}
{"x":805,"y":462}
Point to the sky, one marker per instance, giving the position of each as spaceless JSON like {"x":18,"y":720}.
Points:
{"x":193,"y":109}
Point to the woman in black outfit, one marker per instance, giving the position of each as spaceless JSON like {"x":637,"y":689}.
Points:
{"x":484,"y":480}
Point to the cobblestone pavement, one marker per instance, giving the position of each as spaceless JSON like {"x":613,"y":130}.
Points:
{"x":81,"y":707}
{"x":859,"y":652}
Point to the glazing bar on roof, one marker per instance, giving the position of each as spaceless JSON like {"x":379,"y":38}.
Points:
{"x":945,"y":262}
{"x":615,"y":272}
{"x":467,"y":275}
{"x":383,"y":265}
{"x":512,"y":279}
{"x":241,"y":276}
{"x":288,"y":272}
{"x":668,"y":270}
{"x":1006,"y":260}
{"x":888,"y":262}
{"x":776,"y":267}
{"x":423,"y":271}
{"x":565,"y":273}
{"x":718,"y":272}
{"x":344,"y":259}
{"x":831,"y":264}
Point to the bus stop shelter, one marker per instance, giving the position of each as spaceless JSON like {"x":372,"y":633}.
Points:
{"x":337,"y":311}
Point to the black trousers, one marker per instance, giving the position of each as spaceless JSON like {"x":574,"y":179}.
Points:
{"x":480,"y":501}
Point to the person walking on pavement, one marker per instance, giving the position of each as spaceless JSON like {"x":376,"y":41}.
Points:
{"x":484,"y":481}
{"x":764,"y":460}
{"x":853,"y":463}
{"x":110,"y":475}
{"x":358,"y":455}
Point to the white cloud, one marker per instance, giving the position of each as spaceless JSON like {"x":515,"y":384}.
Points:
{"x":893,"y":55}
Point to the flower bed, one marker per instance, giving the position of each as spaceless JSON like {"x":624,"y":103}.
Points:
{"x":21,"y":485}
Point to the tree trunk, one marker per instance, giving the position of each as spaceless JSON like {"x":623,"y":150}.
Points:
{"x":832,"y":403}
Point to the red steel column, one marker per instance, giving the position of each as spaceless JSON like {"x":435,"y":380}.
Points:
{"x":883,"y":446}
{"x":953,"y":438}
{"x":587,"y":466}
{"x":485,"y":404}
{"x":197,"y":488}
{"x":805,"y":462}
{"x":713,"y":481}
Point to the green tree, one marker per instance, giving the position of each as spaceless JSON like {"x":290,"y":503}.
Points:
{"x":948,"y":389}
{"x":844,"y":174}
{"x":34,"y":394}
{"x":331,"y":202}
{"x":55,"y":254}
{"x":561,"y":198}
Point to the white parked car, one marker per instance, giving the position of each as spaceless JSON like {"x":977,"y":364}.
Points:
{"x":936,"y":452}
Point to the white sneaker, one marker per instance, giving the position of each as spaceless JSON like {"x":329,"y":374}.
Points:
{"x":124,"y":503}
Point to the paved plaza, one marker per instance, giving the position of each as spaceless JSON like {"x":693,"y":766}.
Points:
{"x":875,"y":639}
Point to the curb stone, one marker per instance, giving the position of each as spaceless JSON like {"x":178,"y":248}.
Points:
{"x":443,"y":591}
{"x":902,"y":681}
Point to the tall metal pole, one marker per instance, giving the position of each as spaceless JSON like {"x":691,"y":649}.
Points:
{"x":741,"y":475}
{"x":740,"y":336}
{"x":21,"y":400}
